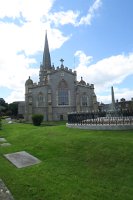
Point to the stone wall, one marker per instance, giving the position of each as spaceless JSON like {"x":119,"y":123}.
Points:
{"x":101,"y":127}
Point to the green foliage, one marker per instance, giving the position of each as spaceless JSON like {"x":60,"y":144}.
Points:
{"x":8,"y":109}
{"x":0,"y":124}
{"x":37,"y":119}
{"x":13,"y":108}
{"x":3,"y":103}
{"x":3,"y":107}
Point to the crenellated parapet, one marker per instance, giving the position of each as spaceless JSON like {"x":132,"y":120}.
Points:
{"x":84,"y":84}
{"x":65,"y":69}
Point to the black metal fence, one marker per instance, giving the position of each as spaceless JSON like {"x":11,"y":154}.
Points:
{"x":100,"y":118}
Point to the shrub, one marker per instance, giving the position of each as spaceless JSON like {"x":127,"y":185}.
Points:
{"x":37,"y":119}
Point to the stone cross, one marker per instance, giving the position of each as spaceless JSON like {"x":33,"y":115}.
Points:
{"x":61,"y":60}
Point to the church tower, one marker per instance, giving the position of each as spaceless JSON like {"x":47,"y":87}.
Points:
{"x":46,"y":63}
{"x":58,"y":92}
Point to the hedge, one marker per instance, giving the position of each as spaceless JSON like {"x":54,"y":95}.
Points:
{"x":37,"y":119}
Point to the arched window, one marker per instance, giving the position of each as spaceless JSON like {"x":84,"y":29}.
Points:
{"x":63,"y":97}
{"x":84,"y":100}
{"x":40,"y":99}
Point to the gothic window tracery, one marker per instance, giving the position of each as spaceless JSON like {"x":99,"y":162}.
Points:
{"x":63,"y":96}
{"x":40,"y":99}
{"x":84,"y":100}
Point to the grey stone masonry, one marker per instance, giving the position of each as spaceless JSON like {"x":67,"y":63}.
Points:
{"x":5,"y":194}
{"x":101,"y":127}
{"x":58,"y":92}
{"x":22,"y":159}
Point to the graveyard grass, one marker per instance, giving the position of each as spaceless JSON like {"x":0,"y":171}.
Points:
{"x":76,"y":164}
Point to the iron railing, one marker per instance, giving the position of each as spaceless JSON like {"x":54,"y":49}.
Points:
{"x":99,"y":118}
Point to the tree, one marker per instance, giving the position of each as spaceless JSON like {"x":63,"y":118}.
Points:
{"x":13,"y":108}
{"x":3,"y":106}
{"x":2,"y":102}
{"x":0,"y":123}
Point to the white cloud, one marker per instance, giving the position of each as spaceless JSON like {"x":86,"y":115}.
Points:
{"x":9,"y":8}
{"x":16,"y":95}
{"x":58,"y":40}
{"x":62,"y":18}
{"x":34,"y":10}
{"x":22,"y":36}
{"x":84,"y":60}
{"x":73,"y":17}
{"x":19,"y":43}
{"x":40,"y":10}
{"x":29,"y":37}
{"x":91,"y":13}
{"x":106,"y":72}
{"x":14,"y":70}
{"x":29,"y":9}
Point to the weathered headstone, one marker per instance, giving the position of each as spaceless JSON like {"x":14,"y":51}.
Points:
{"x":22,"y":159}
{"x":8,"y":119}
{"x":2,"y":140}
{"x":10,"y":122}
{"x":5,"y":144}
{"x":5,"y":194}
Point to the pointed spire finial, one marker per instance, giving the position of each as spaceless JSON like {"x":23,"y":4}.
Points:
{"x":46,"y":54}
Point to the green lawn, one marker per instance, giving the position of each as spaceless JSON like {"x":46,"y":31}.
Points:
{"x":76,"y":164}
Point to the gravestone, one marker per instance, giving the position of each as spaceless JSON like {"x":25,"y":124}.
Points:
{"x":2,"y":140}
{"x":22,"y":159}
{"x":5,"y":194}
{"x":5,"y":144}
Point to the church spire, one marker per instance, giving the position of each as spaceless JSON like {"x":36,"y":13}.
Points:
{"x":46,"y":55}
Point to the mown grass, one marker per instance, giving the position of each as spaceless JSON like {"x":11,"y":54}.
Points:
{"x":76,"y":164}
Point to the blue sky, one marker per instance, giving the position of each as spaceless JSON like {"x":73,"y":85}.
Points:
{"x":94,"y":37}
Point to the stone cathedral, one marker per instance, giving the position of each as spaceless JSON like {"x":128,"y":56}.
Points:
{"x":58,"y":92}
